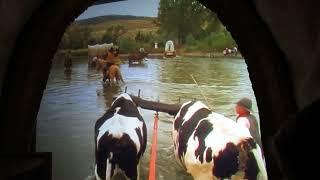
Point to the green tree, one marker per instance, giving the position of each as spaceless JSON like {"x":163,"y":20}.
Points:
{"x":139,"y":37}
{"x":112,"y":33}
{"x":147,"y":37}
{"x":211,"y":23}
{"x":128,"y":45}
{"x":181,"y":18}
{"x":108,"y":37}
{"x":65,"y":41}
{"x":76,"y":37}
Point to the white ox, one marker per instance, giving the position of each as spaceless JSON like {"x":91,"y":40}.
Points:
{"x":211,"y":146}
{"x":120,"y":139}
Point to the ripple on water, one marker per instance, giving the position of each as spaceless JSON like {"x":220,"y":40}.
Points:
{"x":74,"y":100}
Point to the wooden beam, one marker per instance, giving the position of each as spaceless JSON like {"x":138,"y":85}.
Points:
{"x":171,"y":109}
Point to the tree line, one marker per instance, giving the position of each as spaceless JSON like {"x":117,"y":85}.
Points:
{"x":191,"y":25}
{"x":80,"y":36}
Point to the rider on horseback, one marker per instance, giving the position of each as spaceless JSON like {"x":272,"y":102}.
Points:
{"x":111,"y":59}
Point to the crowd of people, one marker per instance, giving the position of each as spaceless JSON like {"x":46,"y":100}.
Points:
{"x":230,"y":51}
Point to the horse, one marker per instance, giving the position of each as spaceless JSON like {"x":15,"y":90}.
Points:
{"x":112,"y":72}
{"x":100,"y":64}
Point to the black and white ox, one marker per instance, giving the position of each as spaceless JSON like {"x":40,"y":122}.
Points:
{"x":120,"y":139}
{"x":211,"y":146}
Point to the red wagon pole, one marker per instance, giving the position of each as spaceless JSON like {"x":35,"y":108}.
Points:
{"x":153,"y":157}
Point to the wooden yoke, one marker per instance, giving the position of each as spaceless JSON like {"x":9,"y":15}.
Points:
{"x":171,"y":109}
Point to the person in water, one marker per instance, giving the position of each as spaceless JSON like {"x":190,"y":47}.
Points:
{"x":68,"y":60}
{"x":245,"y":118}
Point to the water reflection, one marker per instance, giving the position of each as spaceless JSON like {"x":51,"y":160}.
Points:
{"x":144,"y":65}
{"x":206,"y":72}
{"x":217,"y":81}
{"x":110,"y":91}
{"x":74,"y":100}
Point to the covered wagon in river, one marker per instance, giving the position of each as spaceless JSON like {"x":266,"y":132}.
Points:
{"x":138,"y":57}
{"x":98,"y":51}
{"x":169,"y":49}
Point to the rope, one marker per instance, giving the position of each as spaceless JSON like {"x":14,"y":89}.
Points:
{"x":202,"y":94}
{"x":153,"y":156}
{"x":195,"y":81}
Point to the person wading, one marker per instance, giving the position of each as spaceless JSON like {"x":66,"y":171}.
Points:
{"x":68,"y":60}
{"x":245,"y":118}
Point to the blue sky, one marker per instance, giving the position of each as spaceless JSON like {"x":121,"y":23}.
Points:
{"x":129,"y":7}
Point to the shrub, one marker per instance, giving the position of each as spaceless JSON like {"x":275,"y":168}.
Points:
{"x":127,"y":45}
{"x":217,"y":41}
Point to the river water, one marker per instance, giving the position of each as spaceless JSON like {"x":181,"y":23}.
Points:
{"x":74,"y":100}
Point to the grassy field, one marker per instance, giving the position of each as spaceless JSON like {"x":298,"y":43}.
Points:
{"x":131,"y":24}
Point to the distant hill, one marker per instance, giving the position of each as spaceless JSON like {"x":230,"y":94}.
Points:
{"x":104,"y":19}
{"x":132,"y":24}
